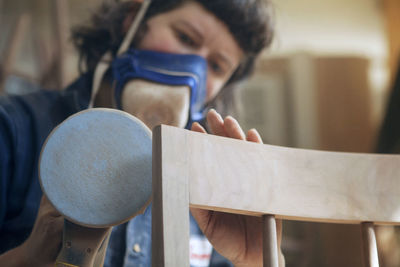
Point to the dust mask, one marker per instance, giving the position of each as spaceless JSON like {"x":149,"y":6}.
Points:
{"x":160,"y":88}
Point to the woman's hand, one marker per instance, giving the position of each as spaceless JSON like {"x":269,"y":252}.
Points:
{"x":44,"y":243}
{"x":236,"y":237}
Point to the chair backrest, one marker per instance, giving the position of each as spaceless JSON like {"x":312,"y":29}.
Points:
{"x":229,"y":175}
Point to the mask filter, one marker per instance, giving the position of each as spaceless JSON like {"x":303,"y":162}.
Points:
{"x":165,"y":83}
{"x":156,"y":103}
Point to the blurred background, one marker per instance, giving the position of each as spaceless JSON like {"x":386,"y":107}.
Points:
{"x":325,"y":84}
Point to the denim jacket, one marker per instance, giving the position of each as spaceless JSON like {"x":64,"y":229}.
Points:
{"x":25,"y":122}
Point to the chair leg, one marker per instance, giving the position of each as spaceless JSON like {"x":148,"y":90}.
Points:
{"x":270,"y":242}
{"x":170,"y":211}
{"x":369,"y":245}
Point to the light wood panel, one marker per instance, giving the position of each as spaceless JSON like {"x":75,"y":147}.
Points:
{"x":170,"y":211}
{"x":247,"y":178}
{"x":391,"y":12}
{"x":343,"y":104}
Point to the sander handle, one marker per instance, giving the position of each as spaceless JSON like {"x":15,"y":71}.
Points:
{"x":82,"y":246}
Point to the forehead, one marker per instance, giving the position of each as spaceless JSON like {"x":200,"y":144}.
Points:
{"x":194,"y":11}
{"x":214,"y":31}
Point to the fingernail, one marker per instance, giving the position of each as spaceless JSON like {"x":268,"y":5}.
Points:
{"x":229,"y":117}
{"x":216,"y":113}
{"x":254,"y":130}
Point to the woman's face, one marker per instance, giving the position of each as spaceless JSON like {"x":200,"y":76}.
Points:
{"x":191,"y":29}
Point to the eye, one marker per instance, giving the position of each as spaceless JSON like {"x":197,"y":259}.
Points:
{"x":216,"y":68}
{"x":185,"y":39}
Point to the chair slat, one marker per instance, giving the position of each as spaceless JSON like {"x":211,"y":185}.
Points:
{"x":255,"y":179}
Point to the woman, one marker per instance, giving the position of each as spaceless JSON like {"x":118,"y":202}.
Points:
{"x":228,"y":34}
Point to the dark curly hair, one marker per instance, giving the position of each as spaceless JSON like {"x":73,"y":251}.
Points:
{"x":249,"y":21}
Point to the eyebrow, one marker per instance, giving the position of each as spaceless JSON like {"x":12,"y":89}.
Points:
{"x":195,"y":31}
{"x":199,"y":35}
{"x":225,"y":59}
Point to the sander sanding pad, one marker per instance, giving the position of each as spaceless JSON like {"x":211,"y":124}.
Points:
{"x":95,"y":167}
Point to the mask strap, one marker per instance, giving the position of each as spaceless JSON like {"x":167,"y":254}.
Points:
{"x":133,"y":28}
{"x":106,"y":59}
{"x":101,"y":69}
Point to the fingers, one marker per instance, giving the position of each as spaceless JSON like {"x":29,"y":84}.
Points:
{"x":198,"y":128}
{"x":228,"y":127}
{"x":253,"y":136}
{"x":233,"y":129}
{"x":216,"y":123}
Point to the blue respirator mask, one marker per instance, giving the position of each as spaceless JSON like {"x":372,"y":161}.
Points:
{"x":159,"y":73}
{"x":163,"y":68}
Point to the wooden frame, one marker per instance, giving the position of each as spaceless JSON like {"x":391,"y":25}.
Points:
{"x":391,"y":10}
{"x":195,"y":169}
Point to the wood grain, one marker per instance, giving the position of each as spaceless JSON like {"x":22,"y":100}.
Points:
{"x":255,"y":179}
{"x":170,"y":211}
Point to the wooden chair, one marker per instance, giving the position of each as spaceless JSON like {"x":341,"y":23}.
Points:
{"x":229,"y":175}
